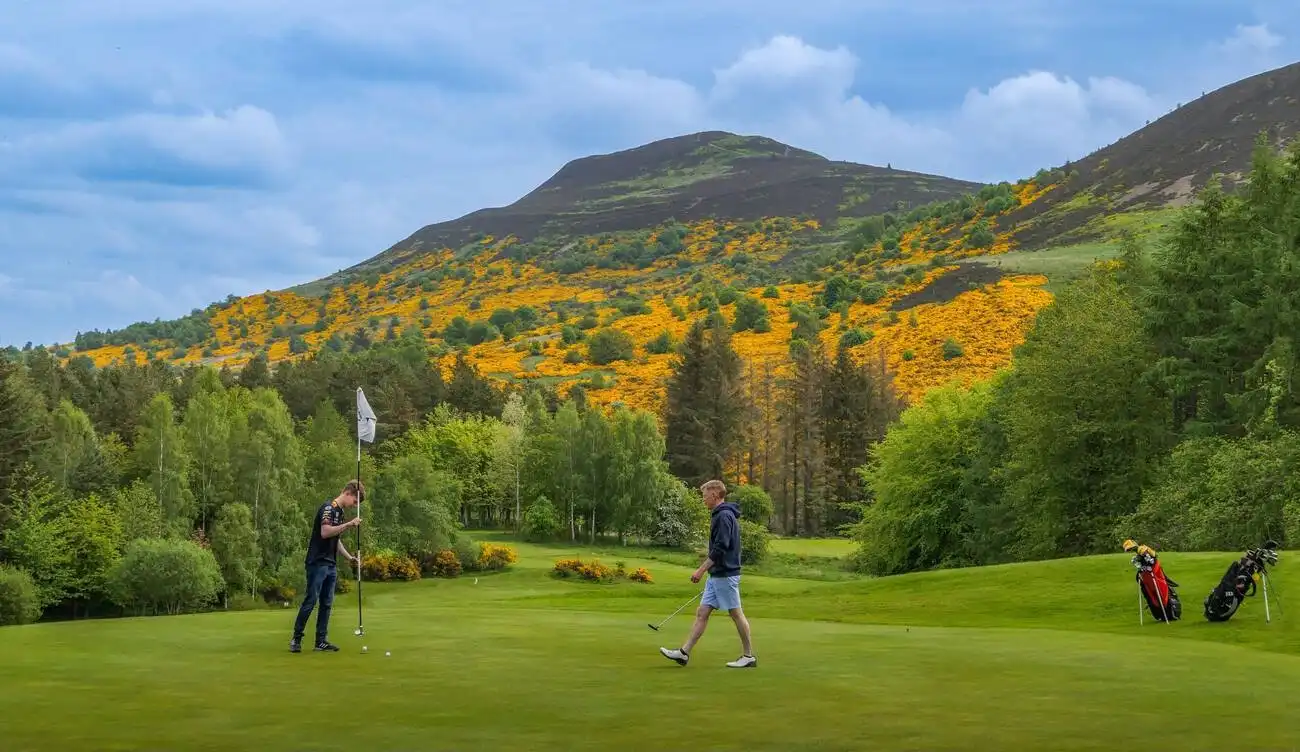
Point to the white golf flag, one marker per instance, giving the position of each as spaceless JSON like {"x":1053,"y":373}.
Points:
{"x":365,"y":419}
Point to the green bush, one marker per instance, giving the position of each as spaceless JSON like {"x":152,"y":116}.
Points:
{"x":680,"y":519}
{"x":20,"y":603}
{"x":170,"y":576}
{"x":541,"y":520}
{"x":662,"y":344}
{"x":755,"y":542}
{"x":609,"y":345}
{"x":467,"y":552}
{"x":755,"y":504}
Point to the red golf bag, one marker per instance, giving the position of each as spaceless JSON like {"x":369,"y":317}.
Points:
{"x":1156,"y":588}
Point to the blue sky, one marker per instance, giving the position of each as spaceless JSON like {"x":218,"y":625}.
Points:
{"x":157,"y":156}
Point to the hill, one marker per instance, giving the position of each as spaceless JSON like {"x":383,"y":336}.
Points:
{"x":913,"y":657}
{"x":700,"y":176}
{"x":1134,"y":182}
{"x":939,"y":278}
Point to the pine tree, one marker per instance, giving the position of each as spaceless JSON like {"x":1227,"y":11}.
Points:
{"x":858,"y":404}
{"x":704,"y":404}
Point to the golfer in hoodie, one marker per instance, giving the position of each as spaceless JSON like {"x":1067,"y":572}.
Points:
{"x":722,"y":589}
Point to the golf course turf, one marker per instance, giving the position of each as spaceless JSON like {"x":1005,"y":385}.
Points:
{"x":1036,"y":656}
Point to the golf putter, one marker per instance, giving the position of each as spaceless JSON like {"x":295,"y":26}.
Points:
{"x":678,"y":611}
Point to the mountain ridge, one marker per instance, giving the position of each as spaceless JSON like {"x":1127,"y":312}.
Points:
{"x":940,"y":278}
{"x":687,"y":177}
{"x":1161,"y":165}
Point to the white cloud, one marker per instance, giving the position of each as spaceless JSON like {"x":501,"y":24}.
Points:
{"x":200,"y":150}
{"x":1251,"y":40}
{"x":805,"y":95}
{"x":788,"y":68}
{"x":241,"y":146}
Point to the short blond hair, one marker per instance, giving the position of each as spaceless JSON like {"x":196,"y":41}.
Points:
{"x":715,"y":485}
{"x":355,"y":489}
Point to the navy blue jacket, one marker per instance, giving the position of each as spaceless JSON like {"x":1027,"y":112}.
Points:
{"x":724,"y":540}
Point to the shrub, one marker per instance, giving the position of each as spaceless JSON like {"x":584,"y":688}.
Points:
{"x":467,"y":552}
{"x":662,"y":344}
{"x":403,"y":568}
{"x":541,"y":520}
{"x":286,"y":582}
{"x":951,"y":349}
{"x":592,"y":571}
{"x":20,"y":603}
{"x":755,"y":541}
{"x":609,"y":345}
{"x":445,"y":563}
{"x":680,"y":520}
{"x":493,"y":558}
{"x":755,"y":503}
{"x":856,"y":336}
{"x":751,"y":314}
{"x":165,"y":575}
{"x":388,"y":565}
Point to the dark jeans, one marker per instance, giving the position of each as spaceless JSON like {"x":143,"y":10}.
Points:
{"x":320,"y":587}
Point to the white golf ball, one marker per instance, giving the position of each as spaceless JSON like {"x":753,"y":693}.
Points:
{"x":387,"y":652}
{"x":364,"y":648}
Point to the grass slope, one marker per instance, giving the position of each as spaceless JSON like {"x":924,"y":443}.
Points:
{"x":1160,"y":165}
{"x":1039,"y":656}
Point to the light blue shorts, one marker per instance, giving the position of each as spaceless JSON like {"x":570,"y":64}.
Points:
{"x":722,"y":593}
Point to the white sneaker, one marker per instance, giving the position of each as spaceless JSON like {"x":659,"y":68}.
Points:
{"x":675,"y":655}
{"x":744,"y":661}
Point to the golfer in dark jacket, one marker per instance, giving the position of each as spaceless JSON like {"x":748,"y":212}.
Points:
{"x":323,"y":547}
{"x":722,"y":589}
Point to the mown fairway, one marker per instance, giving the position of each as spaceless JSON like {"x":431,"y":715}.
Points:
{"x":1046,"y":656}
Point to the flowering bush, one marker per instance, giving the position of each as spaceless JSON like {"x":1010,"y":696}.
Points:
{"x":492,"y":557}
{"x":386,"y":565}
{"x":594,"y":571}
{"x":444,"y":563}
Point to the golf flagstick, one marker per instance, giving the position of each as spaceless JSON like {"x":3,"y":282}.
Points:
{"x":365,"y":432}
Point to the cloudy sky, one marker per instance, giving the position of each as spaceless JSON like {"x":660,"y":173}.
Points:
{"x":156,"y":156}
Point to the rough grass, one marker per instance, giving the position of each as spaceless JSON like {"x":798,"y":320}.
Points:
{"x":1060,"y":265}
{"x":1028,"y":656}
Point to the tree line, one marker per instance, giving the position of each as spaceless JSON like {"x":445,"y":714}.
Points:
{"x":1156,"y":399}
{"x":109,"y":475}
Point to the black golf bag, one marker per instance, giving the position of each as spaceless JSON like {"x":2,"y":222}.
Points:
{"x":1239,"y":582}
{"x":1158,"y":590}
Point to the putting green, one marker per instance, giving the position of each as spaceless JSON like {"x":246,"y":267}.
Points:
{"x":960,"y":660}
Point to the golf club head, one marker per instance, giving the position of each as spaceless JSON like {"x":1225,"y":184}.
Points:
{"x":653,"y":627}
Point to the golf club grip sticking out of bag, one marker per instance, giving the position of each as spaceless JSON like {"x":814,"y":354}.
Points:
{"x":1154,"y":585}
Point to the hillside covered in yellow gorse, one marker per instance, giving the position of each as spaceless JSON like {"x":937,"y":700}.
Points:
{"x":605,"y":310}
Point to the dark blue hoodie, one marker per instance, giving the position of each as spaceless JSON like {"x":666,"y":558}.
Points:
{"x":724,"y":540}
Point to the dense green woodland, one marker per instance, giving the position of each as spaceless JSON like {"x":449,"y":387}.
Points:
{"x":1155,"y":398}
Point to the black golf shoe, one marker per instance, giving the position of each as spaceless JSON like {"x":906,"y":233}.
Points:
{"x":324,"y":646}
{"x":295,"y":646}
